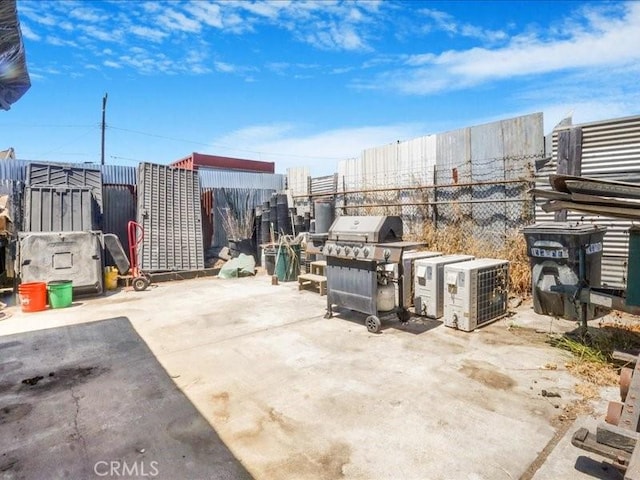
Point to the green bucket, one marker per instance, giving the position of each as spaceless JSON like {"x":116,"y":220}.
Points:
{"x":287,"y":263}
{"x":60,"y":293}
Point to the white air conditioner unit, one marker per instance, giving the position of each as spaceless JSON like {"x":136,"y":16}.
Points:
{"x":428,"y":285}
{"x":476,"y":293}
{"x":408,"y":268}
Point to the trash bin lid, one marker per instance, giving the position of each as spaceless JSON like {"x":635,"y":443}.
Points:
{"x":563,"y":227}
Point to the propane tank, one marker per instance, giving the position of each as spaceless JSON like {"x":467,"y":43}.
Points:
{"x":386,"y":297}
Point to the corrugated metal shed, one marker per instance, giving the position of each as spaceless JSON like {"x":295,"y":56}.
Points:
{"x":199,"y":160}
{"x":610,"y":151}
{"x":170,"y":213}
{"x":212,"y":178}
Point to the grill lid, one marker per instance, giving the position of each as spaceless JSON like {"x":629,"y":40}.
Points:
{"x":367,"y":229}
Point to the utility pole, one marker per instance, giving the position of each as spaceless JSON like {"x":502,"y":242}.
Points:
{"x":104,"y":109}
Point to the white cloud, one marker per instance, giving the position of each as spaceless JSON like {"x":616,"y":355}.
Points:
{"x":271,"y":10}
{"x":111,"y":64}
{"x":147,"y":33}
{"x":207,"y":13}
{"x":87,"y":15}
{"x":320,"y":151}
{"x":179,"y":21}
{"x":114,"y":35}
{"x":224,"y":67}
{"x":59,"y":42}
{"x":446,"y":22}
{"x":605,"y":41}
{"x":28,"y":33}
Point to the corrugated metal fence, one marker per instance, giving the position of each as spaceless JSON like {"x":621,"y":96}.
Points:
{"x":610,"y":150}
{"x":475,"y":178}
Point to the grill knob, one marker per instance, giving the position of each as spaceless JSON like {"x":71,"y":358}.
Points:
{"x":347,"y":250}
{"x":365,"y":251}
{"x":338,"y":250}
{"x":356,"y":250}
{"x":330,"y":248}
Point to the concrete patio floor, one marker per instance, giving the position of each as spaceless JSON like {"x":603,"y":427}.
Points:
{"x":297,"y":396}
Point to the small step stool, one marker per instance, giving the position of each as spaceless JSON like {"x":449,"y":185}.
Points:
{"x":316,"y":282}
{"x":318,"y":267}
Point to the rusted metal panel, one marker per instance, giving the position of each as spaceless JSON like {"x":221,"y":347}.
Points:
{"x":198,"y":160}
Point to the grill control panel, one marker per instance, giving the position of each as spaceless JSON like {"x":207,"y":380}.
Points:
{"x":387,"y":253}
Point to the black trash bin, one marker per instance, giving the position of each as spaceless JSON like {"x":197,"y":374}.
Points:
{"x":554,"y":253}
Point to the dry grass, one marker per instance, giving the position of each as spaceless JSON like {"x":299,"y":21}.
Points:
{"x":595,"y":374}
{"x":587,"y":390}
{"x":459,"y":239}
{"x":592,"y":353}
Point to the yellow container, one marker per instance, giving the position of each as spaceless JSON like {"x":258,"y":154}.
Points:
{"x":110,"y":278}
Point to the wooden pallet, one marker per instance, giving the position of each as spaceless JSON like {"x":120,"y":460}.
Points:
{"x":313,"y":281}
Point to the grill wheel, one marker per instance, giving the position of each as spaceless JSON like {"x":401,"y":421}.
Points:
{"x":373,"y":324}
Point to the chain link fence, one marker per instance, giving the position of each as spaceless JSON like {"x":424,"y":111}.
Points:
{"x":485,"y":201}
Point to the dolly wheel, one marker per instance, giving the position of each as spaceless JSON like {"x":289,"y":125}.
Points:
{"x":140,"y":284}
{"x":373,"y":324}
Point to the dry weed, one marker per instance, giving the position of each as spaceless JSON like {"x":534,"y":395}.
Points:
{"x":587,"y":390}
{"x":458,"y":238}
{"x":595,"y":373}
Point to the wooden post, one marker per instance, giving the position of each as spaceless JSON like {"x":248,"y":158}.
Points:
{"x":569,"y":158}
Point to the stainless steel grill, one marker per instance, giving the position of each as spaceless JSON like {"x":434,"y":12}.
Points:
{"x":364,"y":267}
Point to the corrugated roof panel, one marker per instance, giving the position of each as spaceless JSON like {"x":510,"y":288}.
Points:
{"x":214,"y":178}
{"x":198,"y":160}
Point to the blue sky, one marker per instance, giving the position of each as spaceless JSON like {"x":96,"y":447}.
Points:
{"x":308,"y":83}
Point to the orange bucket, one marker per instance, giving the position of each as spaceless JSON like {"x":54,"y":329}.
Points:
{"x":33,"y":296}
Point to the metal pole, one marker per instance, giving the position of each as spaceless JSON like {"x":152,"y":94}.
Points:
{"x":104,"y":109}
{"x":582,"y":274}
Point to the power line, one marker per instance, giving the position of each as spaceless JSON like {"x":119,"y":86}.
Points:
{"x":87,"y":132}
{"x":164,"y":137}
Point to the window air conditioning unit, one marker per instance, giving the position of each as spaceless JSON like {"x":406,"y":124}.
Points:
{"x":428,"y":285}
{"x":476,"y":293}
